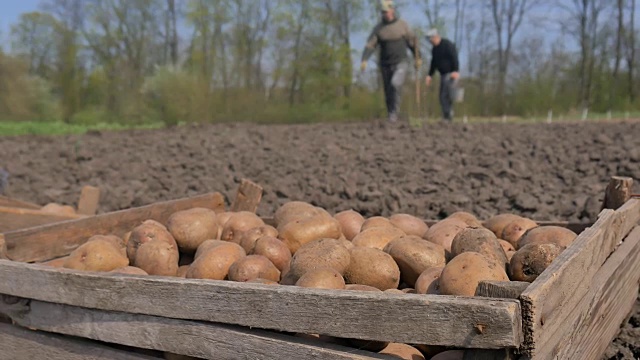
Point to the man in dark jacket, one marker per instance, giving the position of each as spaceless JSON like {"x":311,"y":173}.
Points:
{"x":394,"y":37}
{"x":444,"y":58}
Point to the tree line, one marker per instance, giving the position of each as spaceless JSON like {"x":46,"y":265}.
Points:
{"x":136,"y":61}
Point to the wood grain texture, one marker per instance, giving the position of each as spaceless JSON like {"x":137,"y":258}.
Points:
{"x":248,"y":197}
{"x":501,"y":289}
{"x":198,"y":339}
{"x":10,"y":202}
{"x":89,"y":200}
{"x":618,"y":192}
{"x":549,"y":301}
{"x":596,"y":320}
{"x":12,"y":219}
{"x":415,"y":319}
{"x":60,"y":239}
{"x":18,"y":343}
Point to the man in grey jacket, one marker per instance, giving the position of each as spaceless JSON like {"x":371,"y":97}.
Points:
{"x":393,"y":36}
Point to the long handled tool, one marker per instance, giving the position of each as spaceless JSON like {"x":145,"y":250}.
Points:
{"x":418,"y":119}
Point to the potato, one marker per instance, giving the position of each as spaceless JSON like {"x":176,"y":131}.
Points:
{"x":429,"y":351}
{"x":294,"y":210}
{"x":506,"y":246}
{"x":350,"y":222}
{"x":156,"y":257}
{"x":192,"y":227}
{"x":482,"y":241}
{"x":409,"y":291}
{"x":466,"y":218}
{"x":409,"y":224}
{"x":274,"y":250}
{"x":57,"y":263}
{"x":215,"y":263}
{"x":462,"y":274}
{"x":358,"y":287}
{"x":238,"y":223}
{"x":368,"y":345}
{"x":531,"y":260}
{"x":222,"y":219}
{"x":510,"y":255}
{"x":58,"y":209}
{"x":450,"y":355}
{"x":249,"y":238}
{"x":182,"y":271}
{"x":253,"y":267}
{"x":297,"y":233}
{"x":428,"y":281}
{"x":377,"y":237}
{"x":376,"y":221}
{"x":156,"y":223}
{"x":318,"y":254}
{"x":131,"y":270}
{"x":263,"y":281}
{"x":206,"y":246}
{"x":322,"y":279}
{"x":414,"y":255}
{"x":113,"y":239}
{"x":402,"y":351}
{"x":514,"y":230}
{"x":98,"y":255}
{"x":372,"y":267}
{"x":497,"y":223}
{"x":144,"y":233}
{"x":443,"y":232}
{"x":558,"y":235}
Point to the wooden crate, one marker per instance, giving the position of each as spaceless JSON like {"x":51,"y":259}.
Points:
{"x":16,"y":214}
{"x":572,"y":311}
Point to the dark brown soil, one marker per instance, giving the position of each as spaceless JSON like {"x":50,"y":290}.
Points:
{"x":546,"y":172}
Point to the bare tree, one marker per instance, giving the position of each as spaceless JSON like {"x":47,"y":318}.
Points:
{"x":631,"y":50}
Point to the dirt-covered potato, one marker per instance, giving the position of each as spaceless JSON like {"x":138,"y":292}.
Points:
{"x":206,"y":246}
{"x":253,"y":267}
{"x":402,"y":351}
{"x":294,"y":210}
{"x":117,"y":241}
{"x":531,"y":260}
{"x":350,"y":222}
{"x":376,"y":221}
{"x":249,"y":238}
{"x":414,"y":255}
{"x":274,"y":250}
{"x":215,"y":262}
{"x":506,"y":246}
{"x":192,"y":227}
{"x":97,"y":255}
{"x":157,"y":257}
{"x":149,"y":230}
{"x":182,"y":271}
{"x":443,"y":232}
{"x":479,"y":240}
{"x":558,"y":235}
{"x":377,"y":237}
{"x":57,"y":209}
{"x":514,"y":230}
{"x":238,"y":223}
{"x":322,"y":279}
{"x":466,"y":218}
{"x":131,"y":270}
{"x":464,"y":272}
{"x":373,"y":267}
{"x":428,"y":281}
{"x":318,"y":254}
{"x":57,"y":263}
{"x":409,"y":224}
{"x":498,"y":222}
{"x":297,"y":233}
{"x":222,"y":219}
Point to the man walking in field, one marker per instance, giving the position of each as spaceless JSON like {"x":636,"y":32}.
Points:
{"x":393,"y":36}
{"x":444,"y":58}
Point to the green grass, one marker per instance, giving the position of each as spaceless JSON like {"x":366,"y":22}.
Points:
{"x":15,"y":128}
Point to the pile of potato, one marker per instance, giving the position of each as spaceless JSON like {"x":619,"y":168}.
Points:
{"x":308,"y":247}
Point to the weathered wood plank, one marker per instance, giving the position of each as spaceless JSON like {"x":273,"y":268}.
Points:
{"x":60,"y":239}
{"x":89,"y":200}
{"x":550,"y":299}
{"x":501,"y":289}
{"x":202,"y":340}
{"x":596,"y":320}
{"x":618,"y":192}
{"x":12,"y":219}
{"x":10,"y":202}
{"x":414,"y":319}
{"x":248,"y":197}
{"x":17,"y":343}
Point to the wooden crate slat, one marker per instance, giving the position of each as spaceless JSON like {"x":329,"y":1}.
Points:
{"x":203,"y":340}
{"x":12,"y":219}
{"x":10,"y":202}
{"x":248,"y":197}
{"x":89,"y":200}
{"x":56,"y":240}
{"x":416,"y":319}
{"x":550,"y":299}
{"x":600,"y":313}
{"x":18,"y":343}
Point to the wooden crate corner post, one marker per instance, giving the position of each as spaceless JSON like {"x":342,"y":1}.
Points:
{"x":248,"y":197}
